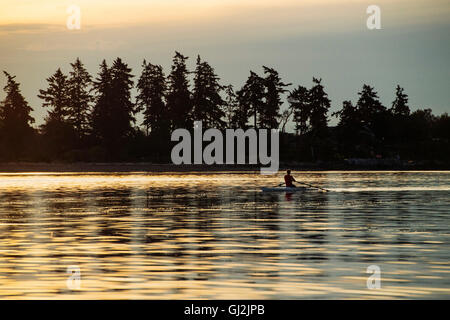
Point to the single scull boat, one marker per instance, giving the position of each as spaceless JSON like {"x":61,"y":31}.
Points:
{"x":284,"y":189}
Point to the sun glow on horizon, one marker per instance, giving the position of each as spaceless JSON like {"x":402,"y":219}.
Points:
{"x":105,"y":12}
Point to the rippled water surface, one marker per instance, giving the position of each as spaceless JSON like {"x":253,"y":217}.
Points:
{"x":218,"y":236}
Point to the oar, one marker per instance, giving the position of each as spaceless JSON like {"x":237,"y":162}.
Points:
{"x":306,"y":184}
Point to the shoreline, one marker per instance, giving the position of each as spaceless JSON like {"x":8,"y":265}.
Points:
{"x":22,"y":167}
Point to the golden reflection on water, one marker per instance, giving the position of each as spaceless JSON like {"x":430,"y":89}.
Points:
{"x":217,"y":236}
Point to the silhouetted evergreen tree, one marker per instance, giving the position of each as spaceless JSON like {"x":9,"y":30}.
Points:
{"x":350,"y":129}
{"x":299,"y":102}
{"x":349,"y":117}
{"x":179,"y":102}
{"x":269,"y":114}
{"x":102,"y":111}
{"x":56,"y":96}
{"x":113,"y":113}
{"x":79,"y":98}
{"x":319,"y":105}
{"x":369,"y":106}
{"x":123,"y":109}
{"x":400,"y":104}
{"x":206,"y":99}
{"x":151,"y":97}
{"x":15,"y":121}
{"x":374,"y":116}
{"x":397,"y":120}
{"x":251,"y":100}
{"x":59,"y":135}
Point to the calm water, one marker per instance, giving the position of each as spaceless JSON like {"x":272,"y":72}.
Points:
{"x":217,"y":236}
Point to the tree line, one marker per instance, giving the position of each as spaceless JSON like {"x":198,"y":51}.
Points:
{"x":95,"y":118}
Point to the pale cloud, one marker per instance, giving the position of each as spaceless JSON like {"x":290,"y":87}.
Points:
{"x":29,"y":28}
{"x":92,"y":45}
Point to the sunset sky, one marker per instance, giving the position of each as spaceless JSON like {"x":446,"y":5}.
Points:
{"x":301,"y":39}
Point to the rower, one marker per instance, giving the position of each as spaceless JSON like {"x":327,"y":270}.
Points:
{"x":288,"y":179}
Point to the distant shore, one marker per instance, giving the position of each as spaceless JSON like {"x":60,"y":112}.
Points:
{"x":361,"y":164}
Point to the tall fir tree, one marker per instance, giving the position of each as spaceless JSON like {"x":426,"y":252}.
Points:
{"x":348,"y":116}
{"x":397,"y":117}
{"x":15,"y":121}
{"x":56,"y":97}
{"x":299,"y":102}
{"x":374,"y":116}
{"x":122,"y":108}
{"x":319,"y":106}
{"x":102,"y":110}
{"x":350,"y":132}
{"x":59,"y":134}
{"x":369,"y":105}
{"x":207,"y":101}
{"x":349,"y":125}
{"x":114,"y":111}
{"x":80,"y":98}
{"x":269,"y":114}
{"x":179,"y":101}
{"x":251,"y":99}
{"x":152,"y":90}
{"x":400,"y":104}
